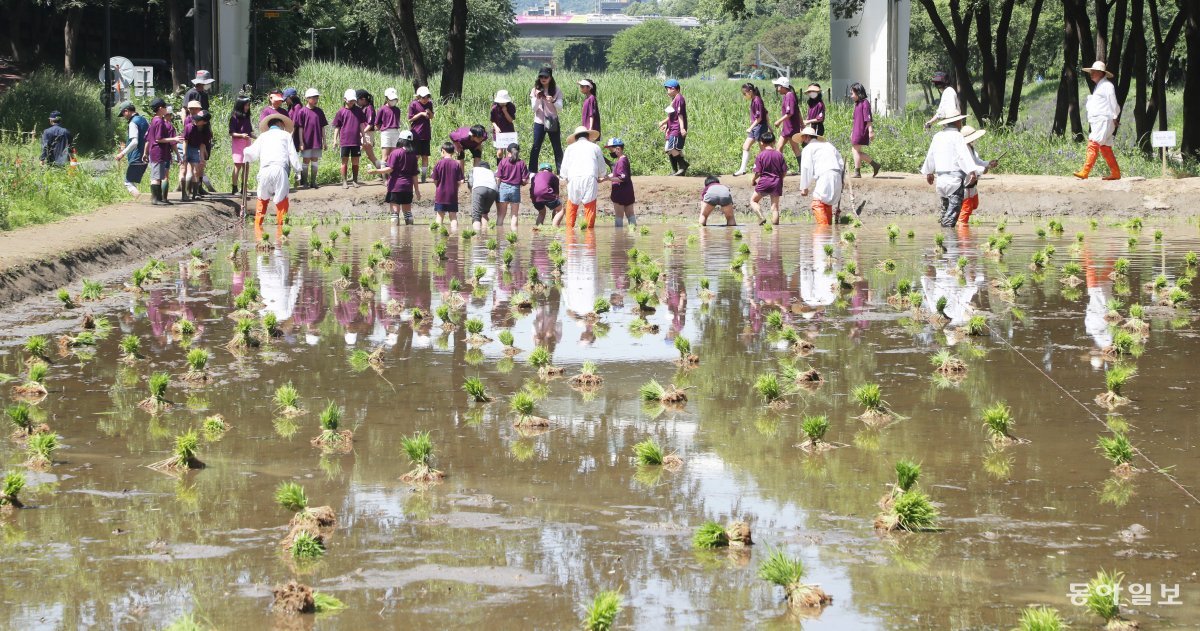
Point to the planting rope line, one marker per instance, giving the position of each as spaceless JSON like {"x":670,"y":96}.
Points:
{"x":1139,"y":452}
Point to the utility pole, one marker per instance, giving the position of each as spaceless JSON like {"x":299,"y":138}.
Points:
{"x":108,"y":104}
{"x":312,"y":42}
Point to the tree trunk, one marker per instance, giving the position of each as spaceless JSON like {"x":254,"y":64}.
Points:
{"x":16,"y":26}
{"x":1140,"y":73}
{"x":958,"y":46}
{"x":456,"y":52}
{"x":70,"y":38}
{"x":1067,"y":107}
{"x":412,"y":42}
{"x":179,"y":74}
{"x":1191,"y":87}
{"x":1014,"y":103}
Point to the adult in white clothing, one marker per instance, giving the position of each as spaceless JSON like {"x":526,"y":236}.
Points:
{"x":583,"y":168}
{"x":274,"y":151}
{"x":1104,"y":116}
{"x":948,"y":105}
{"x":821,"y":172}
{"x":950,"y":167}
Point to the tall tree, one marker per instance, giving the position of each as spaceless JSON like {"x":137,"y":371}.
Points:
{"x":402,"y":24}
{"x":1066,"y":108}
{"x":456,"y":52}
{"x":179,"y":73}
{"x":1191,"y":87}
{"x":72,"y":14}
{"x":1014,"y":104}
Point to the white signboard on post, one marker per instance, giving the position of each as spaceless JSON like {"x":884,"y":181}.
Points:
{"x":504,"y":139}
{"x":1162,"y":139}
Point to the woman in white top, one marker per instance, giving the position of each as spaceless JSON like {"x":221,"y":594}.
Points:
{"x":546,"y":101}
{"x":1104,"y":115}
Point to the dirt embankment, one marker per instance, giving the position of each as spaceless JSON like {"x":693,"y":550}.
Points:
{"x":40,"y":259}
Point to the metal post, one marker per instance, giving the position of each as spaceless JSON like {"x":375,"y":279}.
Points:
{"x":312,"y":45}
{"x":254,"y":56}
{"x":108,"y":104}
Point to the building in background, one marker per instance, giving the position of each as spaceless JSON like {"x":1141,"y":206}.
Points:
{"x":871,"y":48}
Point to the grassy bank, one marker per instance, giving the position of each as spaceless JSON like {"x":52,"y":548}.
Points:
{"x":631,"y":105}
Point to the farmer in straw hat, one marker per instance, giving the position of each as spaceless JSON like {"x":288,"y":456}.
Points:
{"x":275,"y":153}
{"x":950,"y":168}
{"x":1104,"y":117}
{"x":583,"y":168}
{"x":971,"y":193}
{"x":821,"y":172}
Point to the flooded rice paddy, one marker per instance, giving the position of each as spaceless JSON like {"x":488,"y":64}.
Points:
{"x":529,"y":524}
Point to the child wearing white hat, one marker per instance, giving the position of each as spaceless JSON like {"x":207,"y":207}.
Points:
{"x":351,"y":123}
{"x":503,"y":117}
{"x":420,"y":122}
{"x":387,"y":119}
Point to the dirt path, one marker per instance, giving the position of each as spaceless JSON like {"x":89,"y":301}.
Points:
{"x":41,"y":259}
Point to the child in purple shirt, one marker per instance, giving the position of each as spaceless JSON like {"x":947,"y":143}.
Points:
{"x":447,"y":175}
{"x":196,"y":140}
{"x":310,"y":121}
{"x":758,"y":122}
{"x":544,"y":191}
{"x":769,"y":169}
{"x":366,"y":103}
{"x":790,"y":120}
{"x":675,"y":126}
{"x":402,"y":188}
{"x":351,"y":122}
{"x":591,"y":107}
{"x":420,"y":113}
{"x":467,"y":139}
{"x":622,"y":183}
{"x":161,"y":139}
{"x":511,"y":175}
{"x":503,"y":115}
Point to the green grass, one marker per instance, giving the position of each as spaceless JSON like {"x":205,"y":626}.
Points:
{"x":815,"y":427}
{"x":331,"y":417}
{"x":997,"y":419}
{"x":197,"y":359}
{"x":907,"y":474}
{"x":506,"y":337}
{"x":37,"y":346}
{"x":649,"y":452}
{"x":780,"y":569}
{"x":710,"y":535}
{"x":41,"y":446}
{"x":21,"y":415}
{"x":324,"y":603}
{"x":601,"y":306}
{"x":474,"y":387}
{"x":158,"y":386}
{"x":131,"y":345}
{"x":92,"y":290}
{"x":306,"y":546}
{"x":1117,"y":449}
{"x":186,"y":326}
{"x":185,"y":447}
{"x":1115,"y":377}
{"x":869,"y":395}
{"x":290,"y":496}
{"x":915,"y":512}
{"x":1040,"y":618}
{"x":683,"y":346}
{"x":652,"y":391}
{"x":418,"y":448}
{"x":1103,"y":596}
{"x":601,"y":613}
{"x":38,"y":371}
{"x":977,"y":325}
{"x":768,"y":387}
{"x":474,"y":326}
{"x":14,"y":483}
{"x":522,"y":403}
{"x":539,"y":357}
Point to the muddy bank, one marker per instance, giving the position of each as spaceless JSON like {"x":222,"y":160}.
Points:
{"x":41,"y":259}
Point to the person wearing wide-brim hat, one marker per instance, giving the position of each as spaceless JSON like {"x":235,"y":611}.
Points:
{"x":583,"y":168}
{"x":948,"y":104}
{"x":950,"y":168}
{"x":822,"y":169}
{"x":275,"y":153}
{"x":503,"y":116}
{"x":1104,"y":116}
{"x":199,"y":90}
{"x":815,"y":117}
{"x":971,"y":192}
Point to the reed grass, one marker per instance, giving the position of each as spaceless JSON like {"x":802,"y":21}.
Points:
{"x":601,"y":613}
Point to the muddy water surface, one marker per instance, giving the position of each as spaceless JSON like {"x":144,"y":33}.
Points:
{"x":528,"y":526}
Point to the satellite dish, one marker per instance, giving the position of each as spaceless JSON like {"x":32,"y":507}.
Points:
{"x":122,"y":71}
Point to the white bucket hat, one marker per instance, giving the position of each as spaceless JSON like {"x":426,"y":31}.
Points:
{"x":970,"y":134}
{"x":1099,"y":66}
{"x":502,"y":97}
{"x":783,"y":82}
{"x":424,"y":91}
{"x":350,"y":95}
{"x":390,"y":94}
{"x":311,"y":92}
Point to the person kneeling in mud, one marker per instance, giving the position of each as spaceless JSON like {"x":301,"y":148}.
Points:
{"x":274,"y":151}
{"x":484,"y":194}
{"x":716,"y":195}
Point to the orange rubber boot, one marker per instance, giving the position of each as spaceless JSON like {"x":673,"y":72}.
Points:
{"x":1114,"y":171}
{"x":822,"y":213}
{"x":572,"y":212}
{"x":260,"y":213}
{"x":968,"y":207}
{"x":281,"y":210}
{"x":589,"y":214}
{"x":1093,"y":151}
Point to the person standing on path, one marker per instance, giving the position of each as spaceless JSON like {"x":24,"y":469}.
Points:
{"x":546,"y":101}
{"x":275,"y":153}
{"x":197,"y":142}
{"x":622,"y":183}
{"x":199,"y":90}
{"x":971,"y":193}
{"x":161,"y":139}
{"x":675,"y":125}
{"x":950,"y":168}
{"x":366,"y":103}
{"x":863,"y":131}
{"x":816,"y":109}
{"x":948,"y":105}
{"x":583,"y":168}
{"x":387,"y":120}
{"x":312,"y":123}
{"x":350,"y":121}
{"x":591,"y":108}
{"x":769,"y":169}
{"x":1104,"y":116}
{"x":503,"y":117}
{"x":790,"y":119}
{"x":241,"y":134}
{"x":821,"y":171}
{"x":135,"y":147}
{"x":420,"y":123}
{"x":758,"y":123}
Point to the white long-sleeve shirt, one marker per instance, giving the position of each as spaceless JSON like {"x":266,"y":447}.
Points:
{"x":948,"y":106}
{"x":949,"y":158}
{"x":583,"y":164}
{"x":541,"y":109}
{"x":274,"y":148}
{"x":821,"y":166}
{"x":1102,"y":103}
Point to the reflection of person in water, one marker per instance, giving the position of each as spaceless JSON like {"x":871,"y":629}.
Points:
{"x":1099,"y":288}
{"x":818,"y":282}
{"x":943,"y":280}
{"x":771,"y":285}
{"x":310,"y":307}
{"x":579,"y":282}
{"x":547,"y":330}
{"x":675,"y":279}
{"x":356,"y":316}
{"x":279,"y":289}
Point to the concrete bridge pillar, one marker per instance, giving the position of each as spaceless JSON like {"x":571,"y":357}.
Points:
{"x":871,"y":48}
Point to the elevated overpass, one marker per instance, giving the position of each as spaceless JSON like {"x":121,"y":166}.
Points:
{"x":588,"y":25}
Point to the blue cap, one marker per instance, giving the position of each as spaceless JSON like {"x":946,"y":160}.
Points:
{"x":55,"y":115}
{"x":545,"y":166}
{"x":289,"y":93}
{"x":614,"y":142}
{"x":671,"y":83}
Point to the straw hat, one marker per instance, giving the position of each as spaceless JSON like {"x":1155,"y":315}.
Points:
{"x":502,"y":97}
{"x":283,"y":121}
{"x":1099,"y":66}
{"x":812,"y":89}
{"x":970,"y":134}
{"x":194,"y":105}
{"x":592,"y":134}
{"x":423,"y":92}
{"x":952,"y":119}
{"x":807,"y":131}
